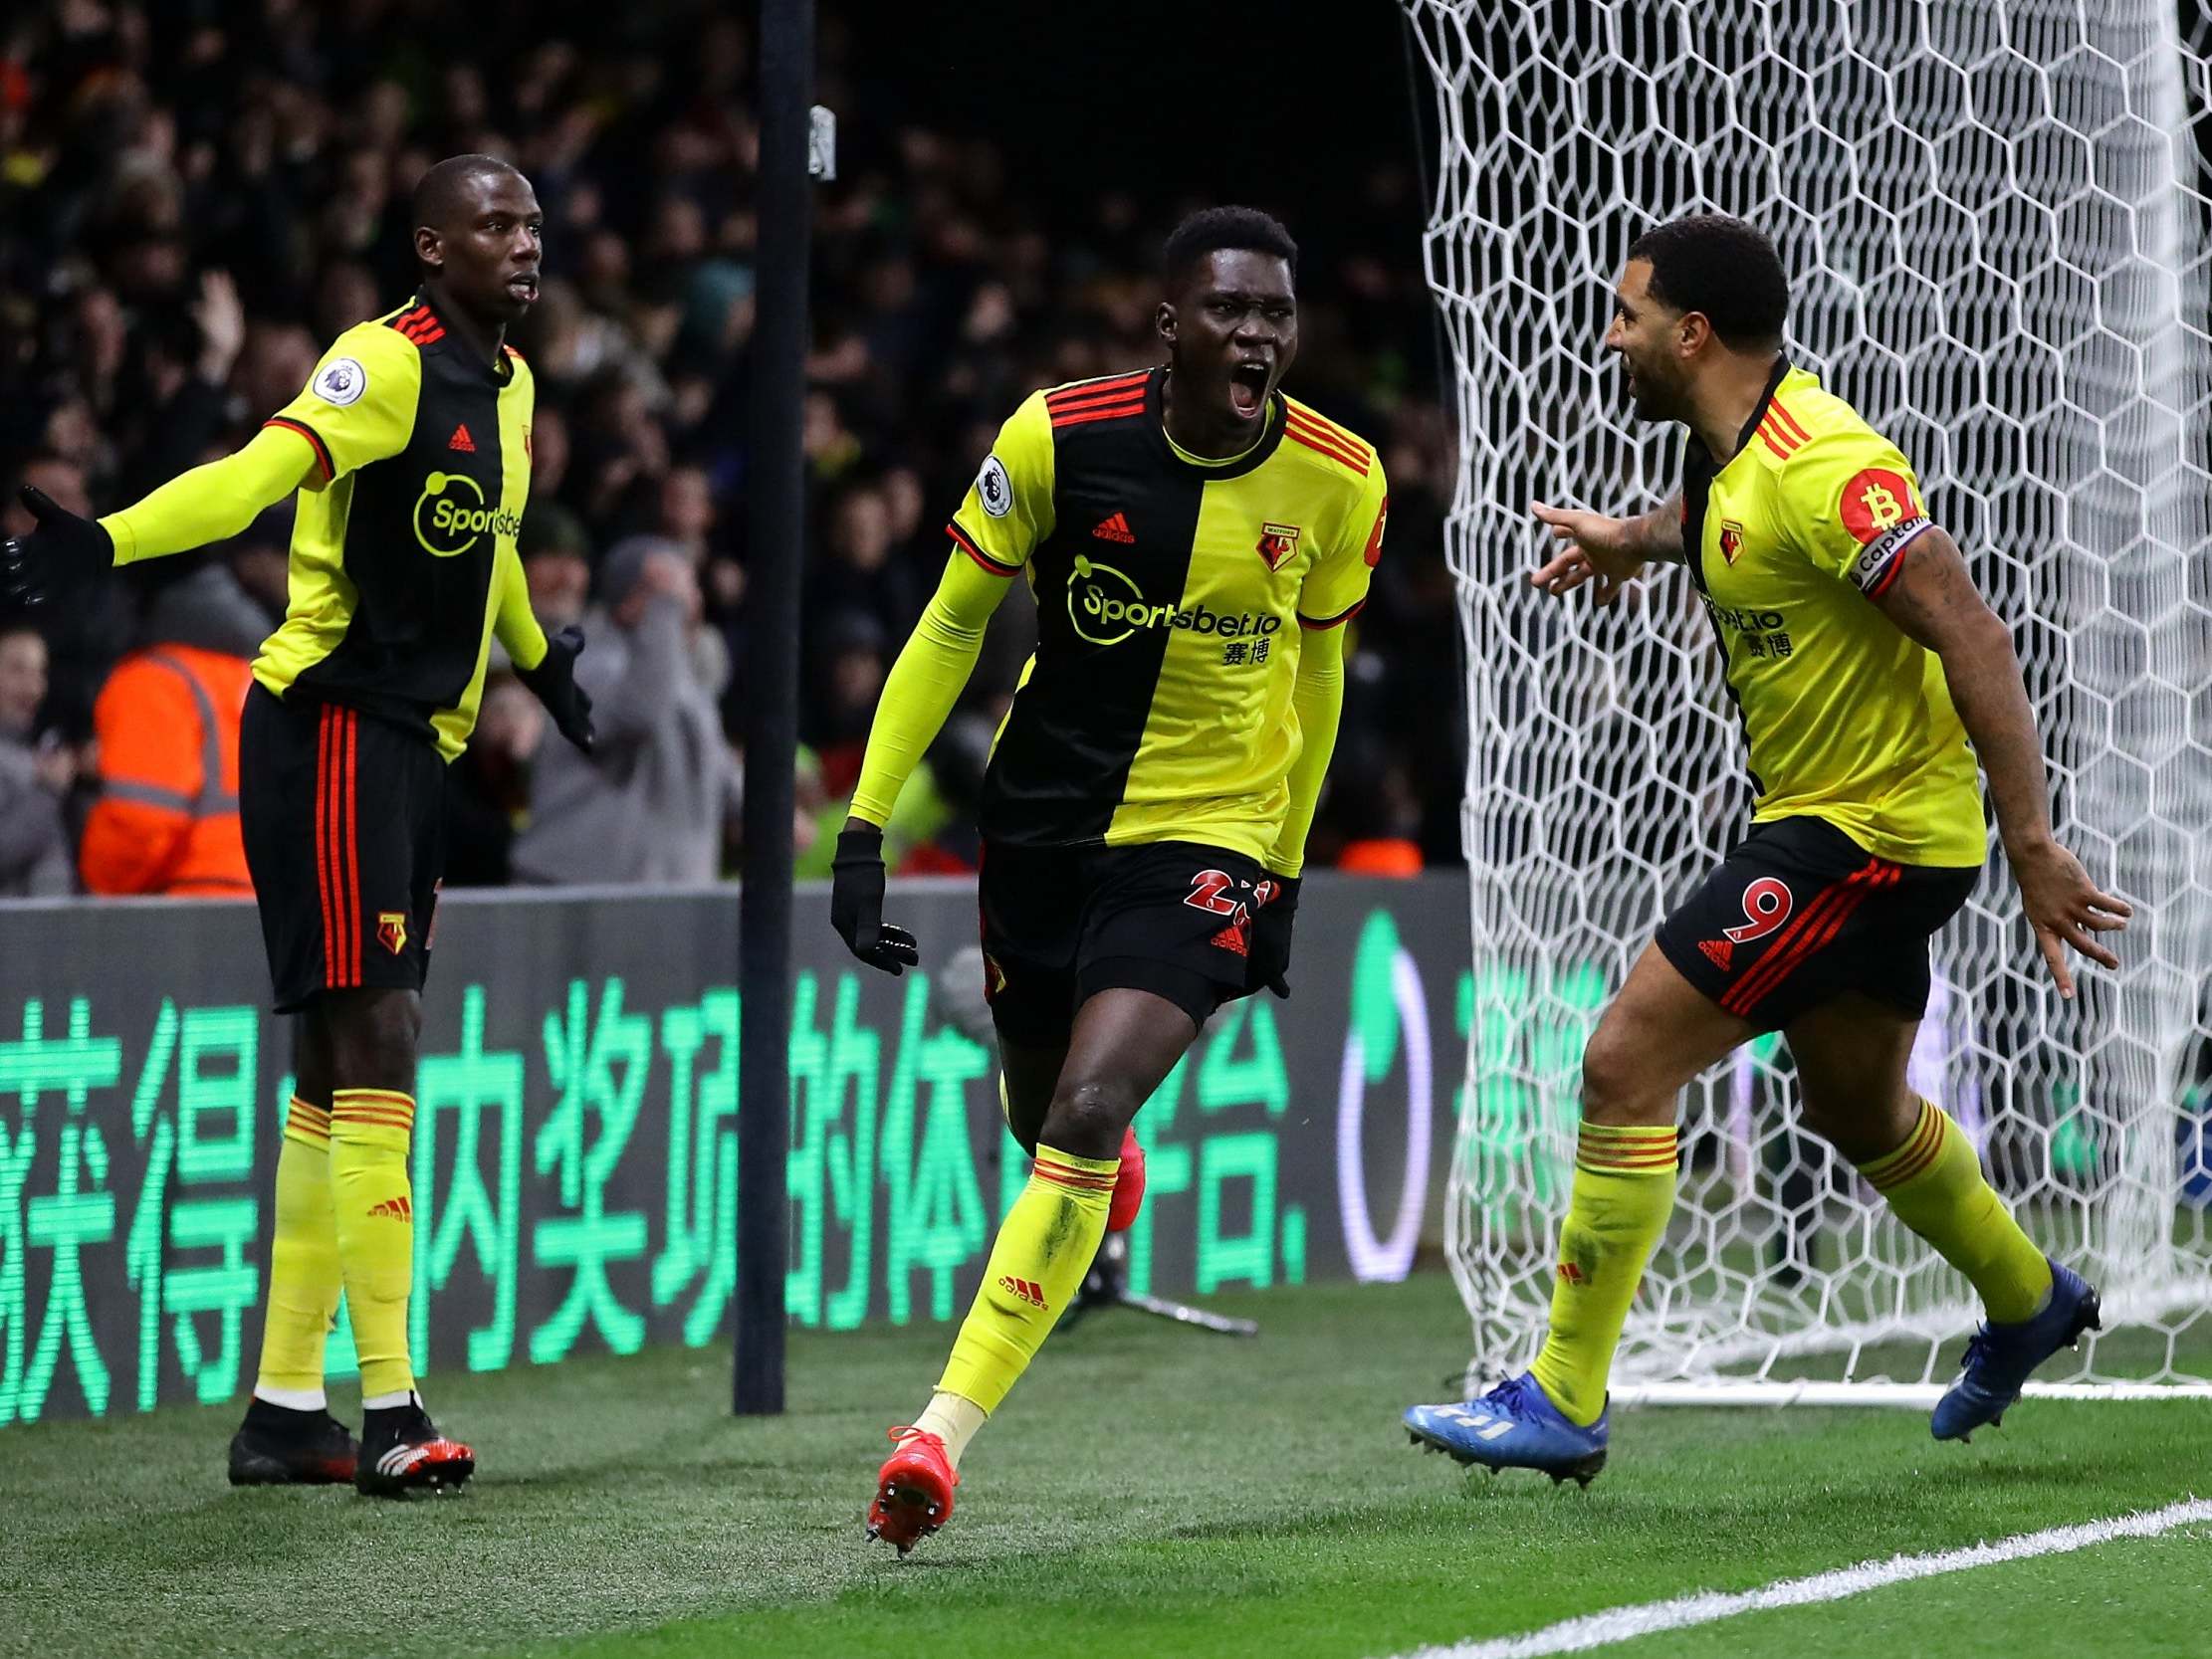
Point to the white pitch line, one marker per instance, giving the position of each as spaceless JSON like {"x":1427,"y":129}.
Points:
{"x":1621,"y":1624}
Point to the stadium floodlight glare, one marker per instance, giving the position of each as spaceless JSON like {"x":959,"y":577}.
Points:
{"x":1995,"y":215}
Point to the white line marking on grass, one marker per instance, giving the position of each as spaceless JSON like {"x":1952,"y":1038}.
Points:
{"x":1621,"y":1624}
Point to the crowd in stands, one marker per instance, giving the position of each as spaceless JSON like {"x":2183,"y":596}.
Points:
{"x":197,"y":197}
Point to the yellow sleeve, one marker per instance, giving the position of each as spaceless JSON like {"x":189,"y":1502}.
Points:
{"x":1855,"y":506}
{"x":1009,"y":509}
{"x":359,"y":404}
{"x":1336,"y":582}
{"x":515,"y":622}
{"x":926,"y":681}
{"x":1317,"y":698}
{"x":211,"y":503}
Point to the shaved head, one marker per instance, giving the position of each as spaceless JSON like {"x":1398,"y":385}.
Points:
{"x":479,"y":237}
{"x":444,"y":191}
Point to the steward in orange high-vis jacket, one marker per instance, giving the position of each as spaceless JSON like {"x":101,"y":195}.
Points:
{"x":165,"y":820}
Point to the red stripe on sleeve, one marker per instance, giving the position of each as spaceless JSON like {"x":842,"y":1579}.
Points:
{"x":979,"y":556}
{"x":315,"y":442}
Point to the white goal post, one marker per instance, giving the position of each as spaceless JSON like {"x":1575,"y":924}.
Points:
{"x":1995,"y":217}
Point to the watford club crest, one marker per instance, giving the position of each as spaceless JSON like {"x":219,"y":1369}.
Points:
{"x":1731,"y":540}
{"x":391,"y":931}
{"x":1277,"y":542}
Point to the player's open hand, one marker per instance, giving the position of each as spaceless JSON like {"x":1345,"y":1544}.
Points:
{"x":856,"y":904}
{"x":63,"y":548}
{"x":1587,"y":547}
{"x":2065,"y":908}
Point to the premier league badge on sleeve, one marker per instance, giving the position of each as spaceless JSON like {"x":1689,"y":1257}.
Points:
{"x":341,"y":381}
{"x":996,"y":489}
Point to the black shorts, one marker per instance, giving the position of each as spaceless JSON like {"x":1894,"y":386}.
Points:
{"x":345,"y":825}
{"x":1062,"y":923}
{"x":1800,"y":912}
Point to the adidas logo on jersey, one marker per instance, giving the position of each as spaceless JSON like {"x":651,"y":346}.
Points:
{"x":1115,"y":529}
{"x":1024,"y":1290}
{"x":1718,"y":951}
{"x":461,"y":440}
{"x":1231,"y":937}
{"x":393,"y":1209}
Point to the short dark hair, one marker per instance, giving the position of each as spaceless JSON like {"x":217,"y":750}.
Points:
{"x":1212,"y":229}
{"x":1724,"y":268}
{"x":438,"y":191}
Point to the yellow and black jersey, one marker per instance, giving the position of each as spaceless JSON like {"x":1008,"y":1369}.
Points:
{"x":403,"y":548}
{"x":1170,"y":592}
{"x":1848,"y":719}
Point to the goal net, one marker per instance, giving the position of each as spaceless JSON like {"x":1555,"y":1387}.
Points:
{"x":1995,"y":217}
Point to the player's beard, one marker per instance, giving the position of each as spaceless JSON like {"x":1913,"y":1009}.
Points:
{"x":1651,"y":398}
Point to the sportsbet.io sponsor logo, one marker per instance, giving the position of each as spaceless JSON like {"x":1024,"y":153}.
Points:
{"x":451,"y":518}
{"x":1106,"y":606}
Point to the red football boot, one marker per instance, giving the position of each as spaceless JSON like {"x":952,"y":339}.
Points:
{"x":914,"y":1490}
{"x":1129,"y":1186}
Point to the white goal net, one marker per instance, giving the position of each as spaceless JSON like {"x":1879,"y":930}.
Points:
{"x":1995,"y":217}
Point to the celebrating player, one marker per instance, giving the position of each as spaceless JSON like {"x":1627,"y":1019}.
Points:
{"x":1195,"y":540}
{"x":1862,"y":660}
{"x":411,"y":452}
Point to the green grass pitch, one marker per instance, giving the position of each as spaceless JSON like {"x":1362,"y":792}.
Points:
{"x":1148,"y":1491}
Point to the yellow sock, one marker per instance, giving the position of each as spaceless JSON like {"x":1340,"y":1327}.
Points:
{"x":1038,"y":1262}
{"x":374,"y":1202}
{"x":303,"y":1265}
{"x":1624,"y":1189}
{"x":1934,"y":1183}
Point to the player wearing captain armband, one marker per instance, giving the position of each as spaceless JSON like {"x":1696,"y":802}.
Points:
{"x":1196,"y":542}
{"x":1862,"y":662}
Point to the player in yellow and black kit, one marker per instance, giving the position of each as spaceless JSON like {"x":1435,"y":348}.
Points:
{"x":1196,"y":542}
{"x":1862,"y":660}
{"x":411,"y":452}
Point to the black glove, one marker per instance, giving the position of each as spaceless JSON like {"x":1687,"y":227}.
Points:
{"x":1270,"y":957}
{"x":856,"y":905}
{"x":553,"y":682}
{"x":63,"y":549}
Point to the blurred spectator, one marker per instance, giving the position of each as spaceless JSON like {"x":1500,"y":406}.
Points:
{"x":650,"y":802}
{"x":166,"y":818}
{"x":34,"y":851}
{"x":852,"y":656}
{"x":488,"y":788}
{"x":1379,"y":815}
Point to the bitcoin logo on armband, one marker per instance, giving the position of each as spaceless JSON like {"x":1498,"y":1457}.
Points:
{"x":1877,"y":500}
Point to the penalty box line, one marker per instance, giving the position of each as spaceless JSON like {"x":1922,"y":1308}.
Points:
{"x":1622,"y":1624}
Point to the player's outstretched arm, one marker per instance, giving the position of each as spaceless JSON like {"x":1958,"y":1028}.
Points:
{"x":1590,"y":546}
{"x":1932,"y":599}
{"x":918,"y":695}
{"x":208,"y":504}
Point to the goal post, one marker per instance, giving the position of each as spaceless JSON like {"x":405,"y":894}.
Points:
{"x":1995,"y":217}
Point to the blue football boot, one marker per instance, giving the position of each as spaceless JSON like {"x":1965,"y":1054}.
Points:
{"x":2000,"y":1356}
{"x":1513,"y":1426}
